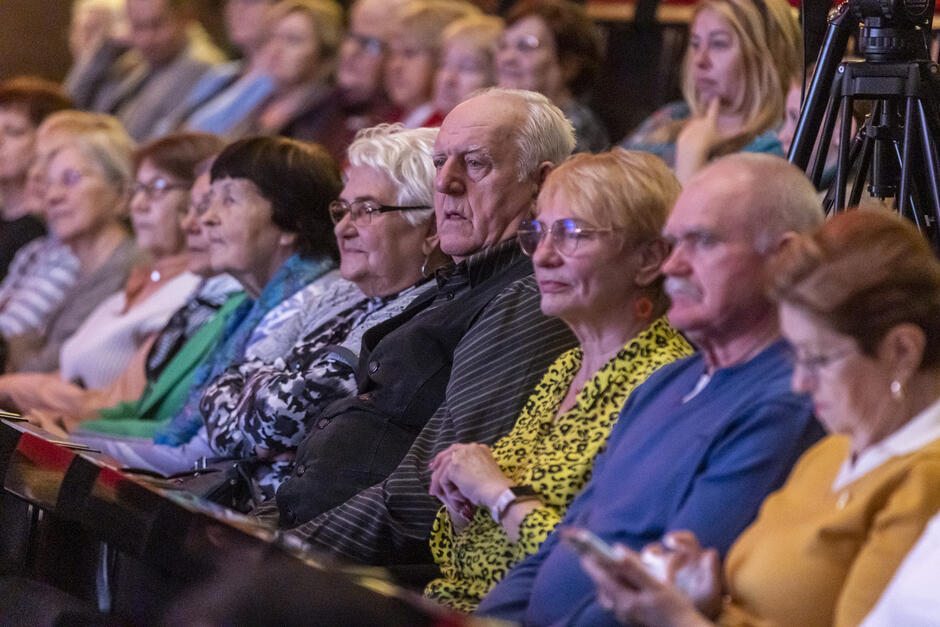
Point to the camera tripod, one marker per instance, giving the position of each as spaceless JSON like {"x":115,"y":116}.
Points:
{"x":895,"y":150}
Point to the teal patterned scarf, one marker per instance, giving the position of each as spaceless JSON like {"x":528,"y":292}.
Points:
{"x":294,"y":275}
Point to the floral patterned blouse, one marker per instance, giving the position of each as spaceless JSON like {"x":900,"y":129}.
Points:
{"x":555,"y":457}
{"x":271,"y":405}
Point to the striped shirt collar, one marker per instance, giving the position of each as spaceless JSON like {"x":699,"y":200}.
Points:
{"x":483,"y":264}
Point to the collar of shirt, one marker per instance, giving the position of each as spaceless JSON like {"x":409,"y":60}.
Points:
{"x":923,"y":429}
{"x":481,"y":265}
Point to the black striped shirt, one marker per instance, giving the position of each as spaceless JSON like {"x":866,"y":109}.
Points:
{"x":496,"y":365}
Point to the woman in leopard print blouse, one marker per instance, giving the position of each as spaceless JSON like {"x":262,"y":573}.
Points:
{"x":596,"y":248}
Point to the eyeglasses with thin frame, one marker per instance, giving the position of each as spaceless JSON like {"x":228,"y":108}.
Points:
{"x":565,"y":234}
{"x":813,"y":363}
{"x":522,"y":45}
{"x":69,"y":178}
{"x":157,"y":188}
{"x":361,"y":211}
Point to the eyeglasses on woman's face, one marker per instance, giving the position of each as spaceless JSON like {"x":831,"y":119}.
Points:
{"x":157,"y":188}
{"x":361,"y":211}
{"x":565,"y":234}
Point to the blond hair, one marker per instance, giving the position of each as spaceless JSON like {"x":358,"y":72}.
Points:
{"x":100,"y":138}
{"x":621,"y":189}
{"x":769,"y":39}
{"x":423,"y":21}
{"x":326,"y":16}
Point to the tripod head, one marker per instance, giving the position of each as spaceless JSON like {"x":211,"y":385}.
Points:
{"x":892,"y":30}
{"x":902,"y":84}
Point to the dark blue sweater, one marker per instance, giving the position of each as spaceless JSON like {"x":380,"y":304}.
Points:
{"x":705,"y":465}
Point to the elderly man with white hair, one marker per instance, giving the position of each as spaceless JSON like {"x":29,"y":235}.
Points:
{"x":468,"y":358}
{"x":704,"y":440}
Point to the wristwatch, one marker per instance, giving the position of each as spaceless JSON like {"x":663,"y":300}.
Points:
{"x":512,"y":495}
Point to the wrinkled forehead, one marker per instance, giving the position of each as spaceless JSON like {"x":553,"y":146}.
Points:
{"x":713,"y":205}
{"x":486,"y":122}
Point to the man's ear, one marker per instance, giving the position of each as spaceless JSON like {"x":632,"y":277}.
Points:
{"x":653,"y":255}
{"x":542,"y":172}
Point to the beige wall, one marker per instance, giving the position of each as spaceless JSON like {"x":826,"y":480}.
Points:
{"x":33,"y":38}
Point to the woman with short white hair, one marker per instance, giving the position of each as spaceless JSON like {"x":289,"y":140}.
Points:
{"x":387,"y":242}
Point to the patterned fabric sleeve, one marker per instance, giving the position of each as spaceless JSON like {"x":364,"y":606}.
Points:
{"x":536,"y":526}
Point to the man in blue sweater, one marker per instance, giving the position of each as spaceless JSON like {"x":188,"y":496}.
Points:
{"x":704,"y":440}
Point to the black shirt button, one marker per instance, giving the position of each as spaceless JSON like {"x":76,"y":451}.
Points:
{"x":289,"y":516}
{"x":450,"y":296}
{"x":373,"y":367}
{"x":300,"y":470}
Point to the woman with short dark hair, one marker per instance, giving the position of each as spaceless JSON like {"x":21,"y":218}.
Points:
{"x":265,"y":221}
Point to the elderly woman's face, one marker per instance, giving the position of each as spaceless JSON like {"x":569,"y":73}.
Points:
{"x":715,"y":60}
{"x":242,"y":237}
{"x":526,"y":58}
{"x":409,"y":72}
{"x":587,"y":276}
{"x":464,"y":68}
{"x":384,"y":255}
{"x":80,"y":201}
{"x":293,"y":50}
{"x":197,"y":241}
{"x":850,"y":390}
{"x":158,"y":202}
{"x":17,"y":143}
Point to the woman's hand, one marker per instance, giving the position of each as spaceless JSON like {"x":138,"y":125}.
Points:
{"x":52,"y":422}
{"x":695,"y":142}
{"x":627,"y":589}
{"x":471,"y":470}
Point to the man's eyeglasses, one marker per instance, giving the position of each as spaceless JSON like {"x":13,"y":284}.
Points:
{"x":361,"y":211}
{"x":565,"y":234}
{"x":157,"y":188}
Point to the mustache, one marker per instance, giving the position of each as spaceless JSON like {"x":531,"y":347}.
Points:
{"x":676,"y":286}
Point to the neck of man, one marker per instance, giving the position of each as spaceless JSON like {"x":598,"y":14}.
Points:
{"x":736,"y":347}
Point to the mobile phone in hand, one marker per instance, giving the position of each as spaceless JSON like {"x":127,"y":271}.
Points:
{"x":583,"y":542}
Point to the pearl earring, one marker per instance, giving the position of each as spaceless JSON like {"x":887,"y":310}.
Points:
{"x":897,"y":392}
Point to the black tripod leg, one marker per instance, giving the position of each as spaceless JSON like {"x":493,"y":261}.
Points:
{"x":930,"y":160}
{"x":903,"y":189}
{"x":818,"y":162}
{"x":845,"y":135}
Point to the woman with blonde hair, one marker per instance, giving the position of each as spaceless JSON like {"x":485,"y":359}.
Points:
{"x":740,"y":61}
{"x":594,"y":213}
{"x":468,"y":63}
{"x":300,"y":55}
{"x":413,"y":53}
{"x":88,"y":172}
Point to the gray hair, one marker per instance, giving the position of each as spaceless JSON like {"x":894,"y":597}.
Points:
{"x":781,"y":200}
{"x":405,"y":156}
{"x":544,"y":135}
{"x":99,"y":138}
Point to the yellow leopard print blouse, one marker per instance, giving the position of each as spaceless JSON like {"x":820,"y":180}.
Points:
{"x":555,"y":458}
